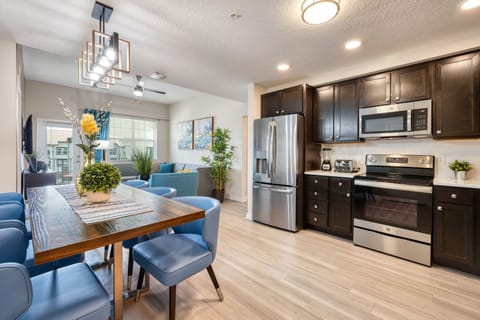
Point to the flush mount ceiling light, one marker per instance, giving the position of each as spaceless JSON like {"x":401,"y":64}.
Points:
{"x":283,"y":67}
{"x":106,"y":56}
{"x":470,"y":4}
{"x":353,"y":44}
{"x":319,"y":11}
{"x":158,"y":76}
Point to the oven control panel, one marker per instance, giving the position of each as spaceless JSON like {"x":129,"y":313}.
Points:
{"x":400,"y":160}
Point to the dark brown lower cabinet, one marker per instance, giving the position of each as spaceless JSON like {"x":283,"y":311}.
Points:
{"x":455,"y":231}
{"x":328,"y":204}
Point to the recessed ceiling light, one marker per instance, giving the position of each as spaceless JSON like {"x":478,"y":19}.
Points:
{"x":470,"y":4}
{"x":283,"y":67}
{"x":353,"y":44}
{"x":157,"y":76}
{"x":319,"y":11}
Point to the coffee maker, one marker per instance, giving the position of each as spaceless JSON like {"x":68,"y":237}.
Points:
{"x":326,"y":156}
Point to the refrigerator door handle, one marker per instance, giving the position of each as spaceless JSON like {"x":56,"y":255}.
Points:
{"x":272,"y":148}
{"x":274,"y":189}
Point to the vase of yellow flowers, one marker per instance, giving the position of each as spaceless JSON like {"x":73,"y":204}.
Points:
{"x":87,"y":128}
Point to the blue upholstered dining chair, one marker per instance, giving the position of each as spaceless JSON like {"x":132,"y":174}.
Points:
{"x":12,"y":196}
{"x":71,"y":292}
{"x":174,"y":257}
{"x":165,"y":192}
{"x":22,"y":252}
{"x":137,"y":183}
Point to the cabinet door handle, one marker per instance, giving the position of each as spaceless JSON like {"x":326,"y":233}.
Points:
{"x":397,"y":98}
{"x":439,"y":208}
{"x":277,"y":112}
{"x":315,"y":206}
{"x":331,"y":137}
{"x":453,"y":196}
{"x":315,"y":193}
{"x":340,"y":184}
{"x":315,"y":181}
{"x":315,"y":219}
{"x":283,"y":111}
{"x":388,"y":99}
{"x":338,"y":137}
{"x":439,"y":131}
{"x":348,"y":195}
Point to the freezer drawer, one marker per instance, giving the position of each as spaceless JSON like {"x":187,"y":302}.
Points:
{"x":275,"y":206}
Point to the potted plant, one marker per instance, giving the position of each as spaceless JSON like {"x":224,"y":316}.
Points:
{"x":98,"y":180}
{"x":143,"y":161}
{"x":220,"y":160}
{"x":460,"y":168}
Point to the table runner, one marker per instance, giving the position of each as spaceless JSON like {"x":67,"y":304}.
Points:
{"x":117,"y":207}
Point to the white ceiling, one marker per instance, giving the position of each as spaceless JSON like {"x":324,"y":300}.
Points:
{"x":199,"y":47}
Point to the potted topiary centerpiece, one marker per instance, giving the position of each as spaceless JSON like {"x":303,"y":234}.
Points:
{"x":220,"y":159}
{"x":98,"y":180}
{"x":460,"y":168}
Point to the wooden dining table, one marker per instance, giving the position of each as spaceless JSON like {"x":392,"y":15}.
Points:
{"x":58,"y":232}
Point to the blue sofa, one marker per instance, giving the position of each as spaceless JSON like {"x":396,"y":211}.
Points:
{"x":186,"y":183}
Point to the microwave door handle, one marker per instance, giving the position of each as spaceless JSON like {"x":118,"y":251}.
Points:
{"x":409,"y":120}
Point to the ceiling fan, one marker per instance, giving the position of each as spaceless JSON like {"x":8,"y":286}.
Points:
{"x":139,"y":88}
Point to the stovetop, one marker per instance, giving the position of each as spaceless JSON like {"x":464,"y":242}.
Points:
{"x":397,"y":178}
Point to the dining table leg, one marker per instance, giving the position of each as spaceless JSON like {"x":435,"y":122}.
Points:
{"x":118,"y":280}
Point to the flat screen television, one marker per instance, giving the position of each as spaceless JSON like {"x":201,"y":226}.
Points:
{"x":27,"y":136}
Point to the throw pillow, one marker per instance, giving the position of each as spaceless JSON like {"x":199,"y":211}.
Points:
{"x":166,"y":167}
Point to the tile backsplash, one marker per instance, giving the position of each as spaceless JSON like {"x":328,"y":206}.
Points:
{"x":445,"y":151}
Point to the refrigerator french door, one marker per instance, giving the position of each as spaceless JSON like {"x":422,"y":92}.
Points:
{"x":278,"y":171}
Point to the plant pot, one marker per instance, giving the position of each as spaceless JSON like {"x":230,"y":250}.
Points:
{"x":218,"y":194}
{"x":460,"y":175}
{"x":98,"y":197}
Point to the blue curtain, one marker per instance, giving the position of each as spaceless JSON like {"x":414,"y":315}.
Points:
{"x":103,"y":134}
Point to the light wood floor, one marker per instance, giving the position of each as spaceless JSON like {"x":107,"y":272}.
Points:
{"x":267,"y":273}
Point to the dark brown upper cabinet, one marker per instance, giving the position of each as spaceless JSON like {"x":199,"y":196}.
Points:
{"x":374,"y":90}
{"x":412,"y":83}
{"x":323,"y":108}
{"x":346,"y":112}
{"x":287,"y":101}
{"x":335,"y":113}
{"x":401,"y":85}
{"x":456,"y":100}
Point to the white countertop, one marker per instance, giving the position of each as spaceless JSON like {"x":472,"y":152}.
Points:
{"x":457,"y":183}
{"x":333,"y":173}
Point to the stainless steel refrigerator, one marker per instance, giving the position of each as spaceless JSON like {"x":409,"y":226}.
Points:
{"x":278,"y":171}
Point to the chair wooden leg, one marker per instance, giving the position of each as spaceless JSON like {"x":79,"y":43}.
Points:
{"x":172,"y":298}
{"x":141,"y":274}
{"x":130,"y":269}
{"x":215,"y":282}
{"x":105,"y":253}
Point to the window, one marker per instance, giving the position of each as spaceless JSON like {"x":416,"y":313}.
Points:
{"x":129,"y":134}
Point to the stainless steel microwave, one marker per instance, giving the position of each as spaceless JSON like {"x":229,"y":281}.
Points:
{"x":397,"y":120}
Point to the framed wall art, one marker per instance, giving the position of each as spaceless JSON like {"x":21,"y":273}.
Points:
{"x":203,"y":133}
{"x":185,"y":135}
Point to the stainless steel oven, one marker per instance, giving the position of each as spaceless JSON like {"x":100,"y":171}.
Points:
{"x":392,"y":206}
{"x":404,"y":119}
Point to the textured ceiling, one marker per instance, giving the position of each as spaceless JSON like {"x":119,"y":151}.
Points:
{"x":199,"y":47}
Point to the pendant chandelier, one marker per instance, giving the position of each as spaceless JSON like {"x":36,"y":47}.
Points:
{"x":106,"y":56}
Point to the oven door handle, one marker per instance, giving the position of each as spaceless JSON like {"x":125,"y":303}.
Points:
{"x":393,"y":186}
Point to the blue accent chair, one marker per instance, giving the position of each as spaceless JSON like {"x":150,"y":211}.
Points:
{"x":12,"y":206}
{"x":174,"y":257}
{"x":22,"y":251}
{"x":72,"y":292}
{"x":137,"y":183}
{"x":186,"y":183}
